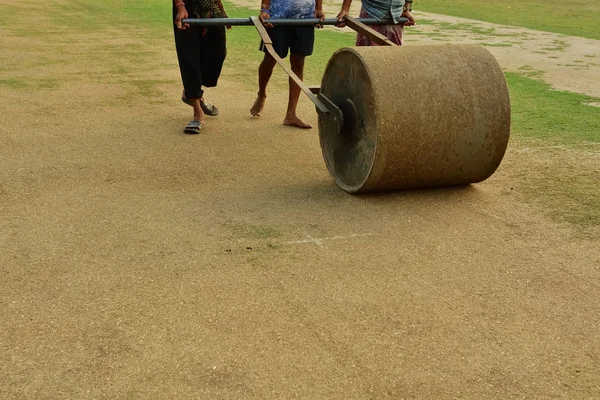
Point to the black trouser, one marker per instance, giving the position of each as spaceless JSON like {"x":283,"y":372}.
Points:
{"x":201,"y":53}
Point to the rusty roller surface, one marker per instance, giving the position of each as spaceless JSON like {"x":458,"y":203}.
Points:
{"x":414,"y":117}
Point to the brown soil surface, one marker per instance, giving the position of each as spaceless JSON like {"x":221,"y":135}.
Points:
{"x":141,"y":263}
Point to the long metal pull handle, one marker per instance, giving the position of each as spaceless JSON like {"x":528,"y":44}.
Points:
{"x":269,"y":46}
{"x":284,"y":21}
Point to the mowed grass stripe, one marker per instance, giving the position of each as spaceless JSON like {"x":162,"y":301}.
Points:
{"x":571,"y":17}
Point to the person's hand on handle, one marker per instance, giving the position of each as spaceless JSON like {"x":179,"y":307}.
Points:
{"x":343,"y":13}
{"x":181,"y":15}
{"x":340,"y":17}
{"x":264,"y":16}
{"x":411,"y":20}
{"x":319,"y":14}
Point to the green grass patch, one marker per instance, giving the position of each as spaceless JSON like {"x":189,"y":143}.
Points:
{"x":574,"y":197}
{"x":243,"y":230}
{"x":13,"y":83}
{"x":563,"y":184}
{"x":560,"y":177}
{"x":575,"y":17}
{"x":496,"y":44}
{"x":29,"y":84}
{"x":556,"y":117}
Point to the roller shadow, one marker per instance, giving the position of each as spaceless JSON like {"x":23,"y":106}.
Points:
{"x":325,"y":193}
{"x":326,"y":189}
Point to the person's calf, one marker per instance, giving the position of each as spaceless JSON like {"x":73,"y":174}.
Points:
{"x":265,"y":70}
{"x":198,"y":113}
{"x":291,"y":119}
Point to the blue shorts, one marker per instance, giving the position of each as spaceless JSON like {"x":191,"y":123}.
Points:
{"x":299,"y":40}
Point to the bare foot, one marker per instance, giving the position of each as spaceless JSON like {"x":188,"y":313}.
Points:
{"x":295,"y":121}
{"x":258,"y":106}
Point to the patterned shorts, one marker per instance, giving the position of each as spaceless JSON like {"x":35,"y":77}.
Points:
{"x":393,"y":32}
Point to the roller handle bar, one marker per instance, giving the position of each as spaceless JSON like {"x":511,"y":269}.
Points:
{"x":283,"y":21}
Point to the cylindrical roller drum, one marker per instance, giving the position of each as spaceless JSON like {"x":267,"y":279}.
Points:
{"x":414,"y":117}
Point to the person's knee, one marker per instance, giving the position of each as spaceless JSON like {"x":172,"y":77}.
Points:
{"x":269,"y":61}
{"x":297,"y":61}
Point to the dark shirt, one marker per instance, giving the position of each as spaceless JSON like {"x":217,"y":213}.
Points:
{"x":205,"y":8}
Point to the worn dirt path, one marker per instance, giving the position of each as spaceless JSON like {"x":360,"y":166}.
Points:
{"x":141,"y":263}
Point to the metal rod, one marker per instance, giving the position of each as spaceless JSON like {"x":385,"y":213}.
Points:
{"x":283,"y":21}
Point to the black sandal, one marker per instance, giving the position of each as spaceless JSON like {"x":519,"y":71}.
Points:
{"x":193,"y":127}
{"x":207,"y":108}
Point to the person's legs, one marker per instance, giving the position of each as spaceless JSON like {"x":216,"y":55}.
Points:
{"x":301,"y":46}
{"x":291,"y":119}
{"x":213,"y":51}
{"x":265,"y":70}
{"x":279,"y":36}
{"x":188,"y":46}
{"x":394,"y":33}
{"x":198,"y":113}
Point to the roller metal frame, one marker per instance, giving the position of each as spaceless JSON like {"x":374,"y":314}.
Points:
{"x":283,"y":21}
{"x":331,"y":115}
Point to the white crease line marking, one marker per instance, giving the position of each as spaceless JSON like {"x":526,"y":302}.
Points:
{"x":319,"y":241}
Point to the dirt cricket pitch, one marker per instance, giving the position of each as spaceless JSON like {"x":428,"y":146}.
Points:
{"x":141,"y":263}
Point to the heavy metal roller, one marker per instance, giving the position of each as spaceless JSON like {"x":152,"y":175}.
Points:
{"x":414,"y":117}
{"x":399,"y":118}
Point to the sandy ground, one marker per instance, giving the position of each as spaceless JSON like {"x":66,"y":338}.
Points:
{"x":141,"y":263}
